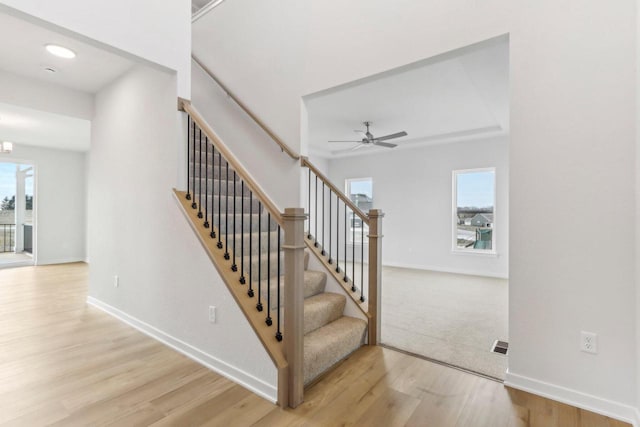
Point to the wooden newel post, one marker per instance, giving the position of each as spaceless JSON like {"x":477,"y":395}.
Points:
{"x":375,"y":274}
{"x":294,"y":302}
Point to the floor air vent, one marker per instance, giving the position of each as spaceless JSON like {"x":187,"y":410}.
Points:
{"x":500,"y":347}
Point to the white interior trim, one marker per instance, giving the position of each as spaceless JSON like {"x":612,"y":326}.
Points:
{"x":234,"y":374}
{"x":608,"y":408}
{"x":445,"y":270}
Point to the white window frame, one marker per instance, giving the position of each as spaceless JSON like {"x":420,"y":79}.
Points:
{"x":454,"y":213}
{"x":347,"y":192}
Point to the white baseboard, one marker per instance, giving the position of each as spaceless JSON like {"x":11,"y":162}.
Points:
{"x":608,"y":408}
{"x":234,"y":374}
{"x":60,"y":261}
{"x":445,"y":270}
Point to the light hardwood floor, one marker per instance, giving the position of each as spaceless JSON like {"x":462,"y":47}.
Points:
{"x":66,"y":364}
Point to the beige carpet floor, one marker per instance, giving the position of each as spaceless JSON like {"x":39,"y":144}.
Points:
{"x":452,"y":318}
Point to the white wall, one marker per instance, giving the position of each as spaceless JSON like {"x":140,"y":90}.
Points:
{"x":157,"y":33}
{"x":258,"y":153}
{"x":637,"y":223}
{"x":413,"y":188}
{"x":572,"y":150}
{"x":136,"y":231}
{"x":60,"y":202}
{"x":43,"y":96}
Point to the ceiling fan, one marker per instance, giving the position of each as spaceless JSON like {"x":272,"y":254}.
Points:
{"x":369,"y":139}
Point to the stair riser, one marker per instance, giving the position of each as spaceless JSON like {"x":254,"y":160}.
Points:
{"x":322,"y":310}
{"x":212,"y":171}
{"x":240,"y":227}
{"x":215,"y":186}
{"x":226,"y":205}
{"x":326,"y":346}
{"x":254,"y":239}
{"x":263,"y":273}
{"x":204,"y":156}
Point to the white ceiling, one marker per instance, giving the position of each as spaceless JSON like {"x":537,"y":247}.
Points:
{"x":32,"y":127}
{"x":22,"y":52}
{"x":463,"y":95}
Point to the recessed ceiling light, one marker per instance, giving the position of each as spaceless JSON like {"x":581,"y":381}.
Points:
{"x":60,"y":51}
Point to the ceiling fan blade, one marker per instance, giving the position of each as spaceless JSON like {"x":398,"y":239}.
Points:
{"x":344,"y":141}
{"x":385,"y":144}
{"x":391,"y":136}
{"x":357,"y":147}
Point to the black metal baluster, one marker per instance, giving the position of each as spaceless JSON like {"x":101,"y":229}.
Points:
{"x":226,"y":214}
{"x":206,"y":182}
{"x":219,"y":245}
{"x":213,"y":192}
{"x":362,"y":262}
{"x":309,"y":211}
{"x":250,"y":292}
{"x":188,"y":197}
{"x":345,"y":244}
{"x":268,"y":320}
{"x":234,"y":267}
{"x":200,"y":173}
{"x":193,"y":175}
{"x":329,"y":253}
{"x":278,"y":333}
{"x":322,"y":252}
{"x":259,"y":305}
{"x":337,"y":234}
{"x":242,"y":280}
{"x":353,"y":252}
{"x":315,"y":220}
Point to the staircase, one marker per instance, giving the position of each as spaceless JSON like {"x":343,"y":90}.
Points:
{"x":260,"y":254}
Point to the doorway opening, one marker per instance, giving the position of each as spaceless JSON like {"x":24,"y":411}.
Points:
{"x":17,"y":214}
{"x":443,"y":187}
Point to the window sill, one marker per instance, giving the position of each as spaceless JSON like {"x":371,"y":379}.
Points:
{"x":488,"y":254}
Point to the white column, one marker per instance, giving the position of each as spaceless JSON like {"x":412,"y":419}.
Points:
{"x":21,"y":205}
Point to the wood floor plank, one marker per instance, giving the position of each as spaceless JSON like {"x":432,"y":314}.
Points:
{"x":64,"y":363}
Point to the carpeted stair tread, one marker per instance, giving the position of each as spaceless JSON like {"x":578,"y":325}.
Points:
{"x":255,"y":238}
{"x":259,"y":267}
{"x":314,"y":284}
{"x":247,"y":223}
{"x":220,"y":187}
{"x":322,"y":309}
{"x":226,"y":202}
{"x":331,"y":343}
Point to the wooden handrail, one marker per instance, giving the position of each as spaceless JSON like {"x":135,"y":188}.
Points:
{"x":284,"y":147}
{"x":235,"y":165}
{"x":304,"y":161}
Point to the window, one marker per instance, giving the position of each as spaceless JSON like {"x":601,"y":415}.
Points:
{"x":360,"y":191}
{"x":474,"y":195}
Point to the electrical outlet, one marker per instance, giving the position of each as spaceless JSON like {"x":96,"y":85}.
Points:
{"x":589,"y":342}
{"x":116,"y":281}
{"x":212,"y":314}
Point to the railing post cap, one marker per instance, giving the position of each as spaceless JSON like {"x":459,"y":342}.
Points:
{"x":294,"y":213}
{"x":375,"y":213}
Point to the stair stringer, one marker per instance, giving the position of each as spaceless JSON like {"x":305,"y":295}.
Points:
{"x":265,"y":334}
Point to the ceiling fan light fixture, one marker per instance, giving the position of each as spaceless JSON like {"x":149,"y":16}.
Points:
{"x":370,"y":140}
